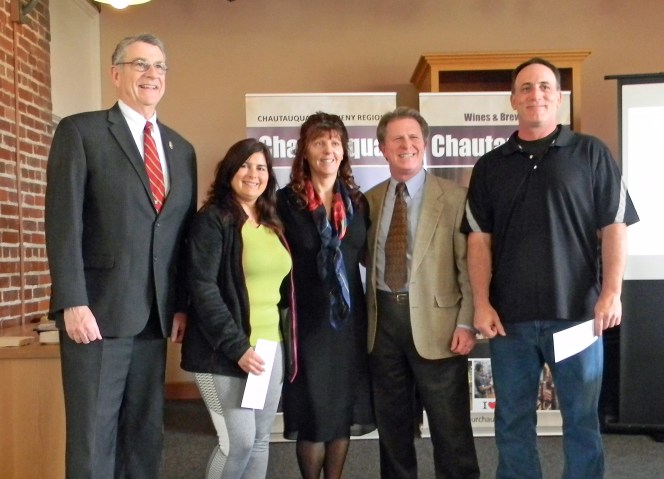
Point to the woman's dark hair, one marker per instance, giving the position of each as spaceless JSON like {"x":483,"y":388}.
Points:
{"x":221,"y":193}
{"x":316,"y":125}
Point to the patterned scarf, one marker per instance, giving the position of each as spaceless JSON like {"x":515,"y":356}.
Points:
{"x":331,"y":268}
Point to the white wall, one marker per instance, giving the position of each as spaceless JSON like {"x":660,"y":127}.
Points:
{"x":75,"y":57}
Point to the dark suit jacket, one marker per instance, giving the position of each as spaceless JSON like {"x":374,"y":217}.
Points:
{"x":107,"y":246}
{"x":439,"y":289}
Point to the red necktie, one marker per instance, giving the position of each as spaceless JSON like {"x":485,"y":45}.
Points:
{"x":153,"y":167}
{"x":396,"y":244}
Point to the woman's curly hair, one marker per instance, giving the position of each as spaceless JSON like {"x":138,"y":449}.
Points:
{"x":316,"y":125}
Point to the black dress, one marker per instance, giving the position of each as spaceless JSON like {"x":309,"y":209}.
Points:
{"x":330,"y":397}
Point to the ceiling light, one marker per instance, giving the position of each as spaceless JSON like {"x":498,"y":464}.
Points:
{"x":119,"y":4}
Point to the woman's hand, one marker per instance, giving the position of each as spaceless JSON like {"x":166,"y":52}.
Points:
{"x":251,"y":363}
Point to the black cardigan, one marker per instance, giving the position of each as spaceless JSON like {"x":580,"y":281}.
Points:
{"x":218,"y":330}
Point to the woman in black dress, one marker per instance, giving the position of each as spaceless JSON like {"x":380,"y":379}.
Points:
{"x":325,"y":220}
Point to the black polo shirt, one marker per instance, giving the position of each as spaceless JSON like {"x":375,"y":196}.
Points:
{"x":544,"y":214}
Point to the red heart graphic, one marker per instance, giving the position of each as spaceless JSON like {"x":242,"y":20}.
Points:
{"x":492,"y":405}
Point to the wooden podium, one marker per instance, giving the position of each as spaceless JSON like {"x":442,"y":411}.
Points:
{"x":32,"y":412}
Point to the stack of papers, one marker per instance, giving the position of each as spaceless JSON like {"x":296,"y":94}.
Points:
{"x":9,"y":341}
{"x":48,"y":332}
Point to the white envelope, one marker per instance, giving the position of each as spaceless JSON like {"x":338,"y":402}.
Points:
{"x":256,"y":389}
{"x":571,"y":341}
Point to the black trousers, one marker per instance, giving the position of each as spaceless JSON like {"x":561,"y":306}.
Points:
{"x":398,"y":373}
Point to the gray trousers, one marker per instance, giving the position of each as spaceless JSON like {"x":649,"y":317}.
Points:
{"x":114,"y":403}
{"x":244,"y":434}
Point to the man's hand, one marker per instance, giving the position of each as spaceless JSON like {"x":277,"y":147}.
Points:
{"x":608,"y":312}
{"x":487,"y":322}
{"x":179,"y":325}
{"x":463,"y":341}
{"x":81,"y":325}
{"x":251,"y":363}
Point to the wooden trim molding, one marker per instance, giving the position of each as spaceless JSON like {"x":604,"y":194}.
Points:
{"x":181,"y":391}
{"x":426,"y":76}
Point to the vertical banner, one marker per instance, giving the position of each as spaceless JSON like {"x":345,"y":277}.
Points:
{"x":463,"y":127}
{"x":275,"y":119}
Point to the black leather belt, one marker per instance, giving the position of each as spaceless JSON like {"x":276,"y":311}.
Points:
{"x":398,"y":298}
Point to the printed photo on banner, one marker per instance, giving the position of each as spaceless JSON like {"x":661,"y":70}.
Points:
{"x":483,"y":399}
{"x":480,"y":385}
{"x":275,"y":120}
{"x":483,"y":396}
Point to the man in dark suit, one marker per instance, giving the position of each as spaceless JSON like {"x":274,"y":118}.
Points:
{"x":114,"y":234}
{"x":420,"y":321}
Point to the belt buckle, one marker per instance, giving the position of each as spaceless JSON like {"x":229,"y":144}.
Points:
{"x":401,"y":298}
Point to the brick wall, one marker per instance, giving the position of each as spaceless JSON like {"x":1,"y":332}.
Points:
{"x":25,"y":135}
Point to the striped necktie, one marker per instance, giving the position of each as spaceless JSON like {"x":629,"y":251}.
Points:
{"x":153,"y":167}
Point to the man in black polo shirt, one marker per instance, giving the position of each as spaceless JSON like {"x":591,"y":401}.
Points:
{"x":542,"y":210}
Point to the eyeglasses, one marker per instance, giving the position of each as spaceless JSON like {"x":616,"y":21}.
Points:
{"x":143,"y":66}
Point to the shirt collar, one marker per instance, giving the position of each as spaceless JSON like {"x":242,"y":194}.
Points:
{"x":413,"y":185}
{"x":563,"y":139}
{"x":134,"y":118}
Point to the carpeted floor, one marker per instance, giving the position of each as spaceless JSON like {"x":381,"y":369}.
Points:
{"x":190,"y":438}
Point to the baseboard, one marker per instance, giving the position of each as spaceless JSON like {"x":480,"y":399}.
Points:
{"x":181,"y":391}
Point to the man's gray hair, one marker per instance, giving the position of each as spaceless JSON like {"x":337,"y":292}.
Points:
{"x":121,"y":48}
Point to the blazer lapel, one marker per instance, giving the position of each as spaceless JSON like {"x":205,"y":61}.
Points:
{"x":173,"y":175}
{"x":432,"y":208}
{"x":376,"y":202}
{"x":120,"y":131}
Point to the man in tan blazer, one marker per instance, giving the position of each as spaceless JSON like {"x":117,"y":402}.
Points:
{"x":420,"y":327}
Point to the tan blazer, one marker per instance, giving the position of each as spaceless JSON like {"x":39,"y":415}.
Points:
{"x":440,"y":295}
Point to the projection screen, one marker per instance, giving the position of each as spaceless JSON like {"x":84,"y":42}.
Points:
{"x":643,"y":171}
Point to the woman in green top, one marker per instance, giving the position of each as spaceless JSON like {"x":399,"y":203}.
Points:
{"x":236,"y":263}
